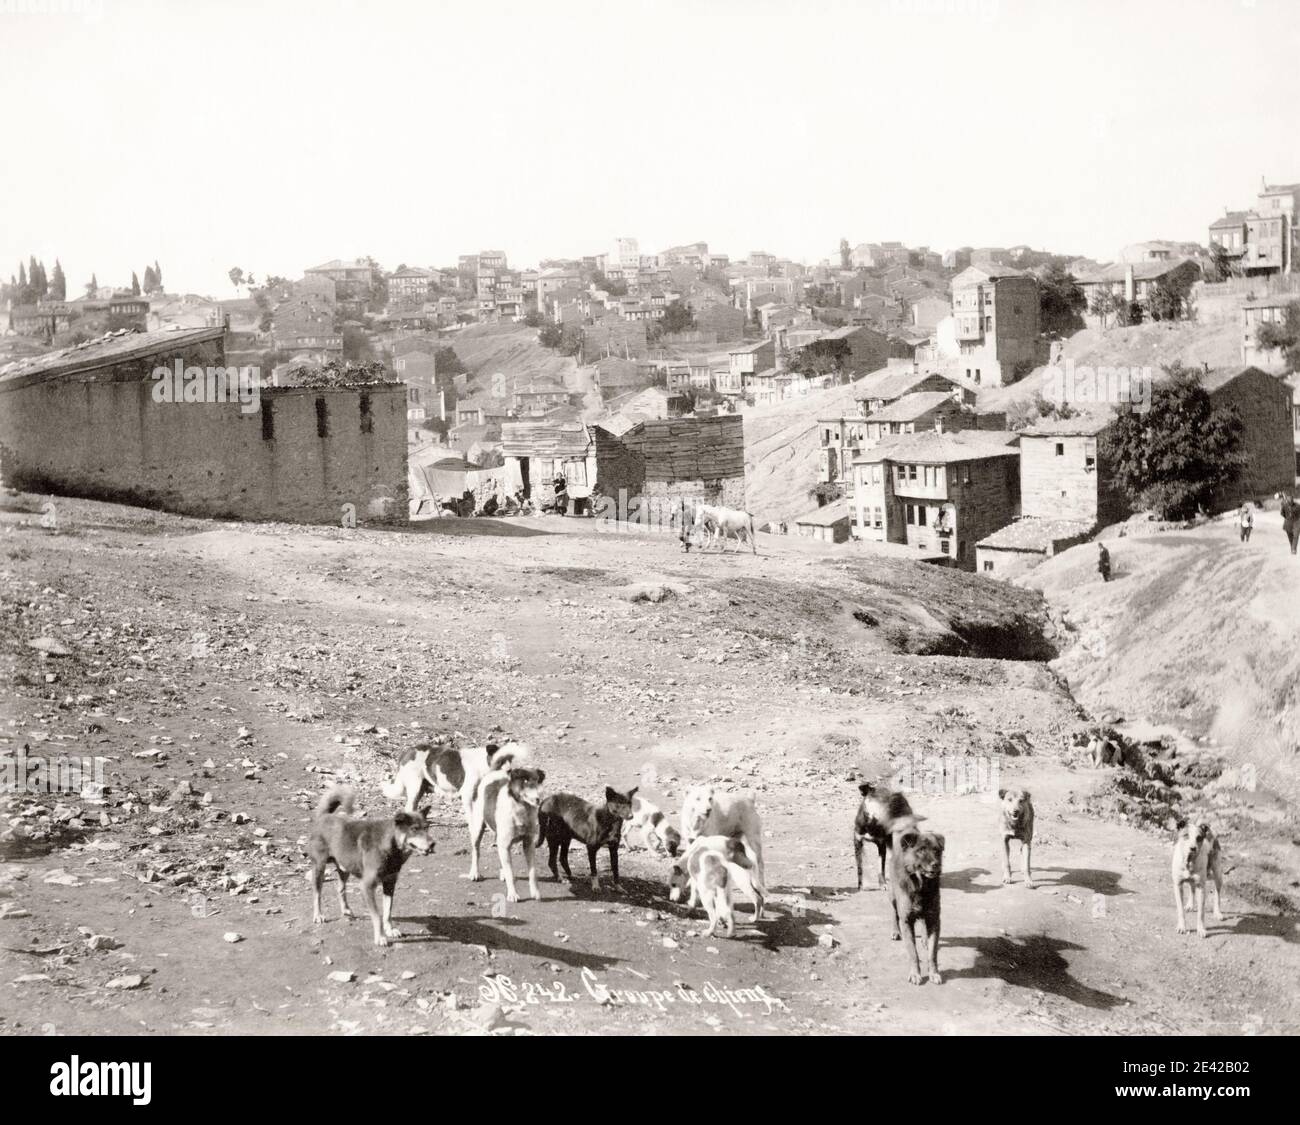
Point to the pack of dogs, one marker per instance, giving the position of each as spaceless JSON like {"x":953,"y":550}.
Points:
{"x":715,"y":851}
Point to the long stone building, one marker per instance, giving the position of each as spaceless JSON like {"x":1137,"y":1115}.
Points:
{"x":90,"y":421}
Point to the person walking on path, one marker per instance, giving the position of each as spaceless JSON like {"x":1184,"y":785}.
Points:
{"x":1246,"y":518}
{"x":1103,"y":562}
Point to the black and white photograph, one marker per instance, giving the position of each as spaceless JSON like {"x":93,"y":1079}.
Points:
{"x":735,"y":520}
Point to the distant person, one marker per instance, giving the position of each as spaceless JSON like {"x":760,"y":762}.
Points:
{"x":561,"y":494}
{"x":1103,"y":562}
{"x":1291,"y":520}
{"x":1246,"y":518}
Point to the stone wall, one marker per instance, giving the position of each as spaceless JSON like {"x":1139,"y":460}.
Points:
{"x":300,"y":456}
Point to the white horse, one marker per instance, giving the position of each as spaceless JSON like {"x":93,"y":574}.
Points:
{"x":725,"y":522}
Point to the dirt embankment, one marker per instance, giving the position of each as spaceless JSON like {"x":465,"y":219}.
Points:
{"x":1192,"y":645}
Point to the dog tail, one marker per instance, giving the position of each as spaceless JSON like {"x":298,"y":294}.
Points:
{"x":509,"y":753}
{"x":542,"y":826}
{"x":337,"y":798}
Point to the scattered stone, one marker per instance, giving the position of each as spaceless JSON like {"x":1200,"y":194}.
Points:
{"x":232,"y":937}
{"x":127,"y":982}
{"x":341,"y":976}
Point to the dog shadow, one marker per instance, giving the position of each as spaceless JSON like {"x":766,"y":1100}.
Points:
{"x":1087,"y":878}
{"x":1033,"y":962}
{"x":964,"y":880}
{"x":1258,"y":925}
{"x":494,"y":933}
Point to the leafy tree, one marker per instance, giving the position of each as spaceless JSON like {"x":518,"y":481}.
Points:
{"x":1060,"y":300}
{"x":447,"y":362}
{"x":613,"y":288}
{"x":149,"y":284}
{"x":236,"y":276}
{"x":821,"y":357}
{"x":678,"y":318}
{"x":550,"y":336}
{"x":157,"y":274}
{"x":58,"y":283}
{"x":135,"y":284}
{"x":571,"y":341}
{"x":533,"y":318}
{"x":1175,"y":456}
{"x":1171,"y":299}
{"x":1224,"y":265}
{"x":92,"y":286}
{"x":846,"y":254}
{"x":1284,"y":335}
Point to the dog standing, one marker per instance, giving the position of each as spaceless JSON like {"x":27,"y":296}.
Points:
{"x":373,"y":850}
{"x":1196,"y":856}
{"x":656,"y":831}
{"x":1016,"y":818}
{"x":562,"y":817}
{"x":916,"y":866}
{"x":507,"y":800}
{"x":706,"y":812}
{"x":715,"y":885}
{"x":878,"y":812}
{"x":428,"y":766}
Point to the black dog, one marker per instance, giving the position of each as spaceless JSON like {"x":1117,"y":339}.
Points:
{"x":877,"y":813}
{"x":916,"y":865}
{"x":563,"y":817}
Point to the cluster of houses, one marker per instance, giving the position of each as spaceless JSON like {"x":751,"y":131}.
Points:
{"x":921,"y":466}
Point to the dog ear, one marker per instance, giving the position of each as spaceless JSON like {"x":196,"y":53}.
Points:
{"x":865,"y":788}
{"x":541,"y":776}
{"x":632,"y":792}
{"x":1025,"y":794}
{"x":940,"y":841}
{"x":612,"y":794}
{"x":1001,"y":793}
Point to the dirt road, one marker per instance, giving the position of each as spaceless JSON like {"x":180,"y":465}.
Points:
{"x":227,"y":673}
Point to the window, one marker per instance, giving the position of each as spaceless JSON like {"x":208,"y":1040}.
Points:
{"x":961,"y":548}
{"x":878,"y":517}
{"x":322,"y":418}
{"x":268,"y":421}
{"x":1090,"y":454}
{"x":988,"y":565}
{"x":911,"y":472}
{"x":921,"y":510}
{"x":1060,"y":449}
{"x":911,"y":515}
{"x":368,"y":419}
{"x":943,"y":545}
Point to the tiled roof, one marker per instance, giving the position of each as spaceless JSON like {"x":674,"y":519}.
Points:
{"x":1034,"y":534}
{"x":936,"y":448}
{"x":1085,"y":423}
{"x":105,"y":351}
{"x":911,"y":406}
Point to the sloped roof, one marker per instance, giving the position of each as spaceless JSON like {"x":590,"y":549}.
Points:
{"x":911,"y":406}
{"x":1086,"y":423}
{"x":936,"y":448}
{"x":1030,"y":533}
{"x":116,"y":347}
{"x":890,"y":383}
{"x":1233,"y":219}
{"x":827,"y":515}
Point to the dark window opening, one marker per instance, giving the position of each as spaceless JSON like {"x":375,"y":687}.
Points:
{"x":322,"y":418}
{"x":367,"y":419}
{"x":268,"y":421}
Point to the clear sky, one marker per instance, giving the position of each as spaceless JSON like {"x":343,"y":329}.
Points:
{"x":276,"y":135}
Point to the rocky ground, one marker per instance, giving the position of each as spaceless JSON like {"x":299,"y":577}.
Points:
{"x":226,"y":673}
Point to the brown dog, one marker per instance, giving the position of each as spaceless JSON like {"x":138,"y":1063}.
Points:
{"x":916,"y":865}
{"x":1016,"y":818}
{"x":562,"y":818}
{"x":373,"y":850}
{"x":879,"y":810}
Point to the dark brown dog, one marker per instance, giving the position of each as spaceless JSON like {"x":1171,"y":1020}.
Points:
{"x":916,"y":865}
{"x":563,"y":817}
{"x":373,"y":850}
{"x":879,"y":809}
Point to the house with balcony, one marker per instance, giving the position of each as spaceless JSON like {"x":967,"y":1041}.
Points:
{"x":1133,"y":283}
{"x":1264,"y":310}
{"x":937,"y":492}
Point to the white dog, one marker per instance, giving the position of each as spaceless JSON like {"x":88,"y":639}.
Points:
{"x":706,"y":812}
{"x":714,"y":868}
{"x":506,"y":800}
{"x":656,"y":833}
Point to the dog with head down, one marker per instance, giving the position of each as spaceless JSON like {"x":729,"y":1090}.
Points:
{"x":915,"y":868}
